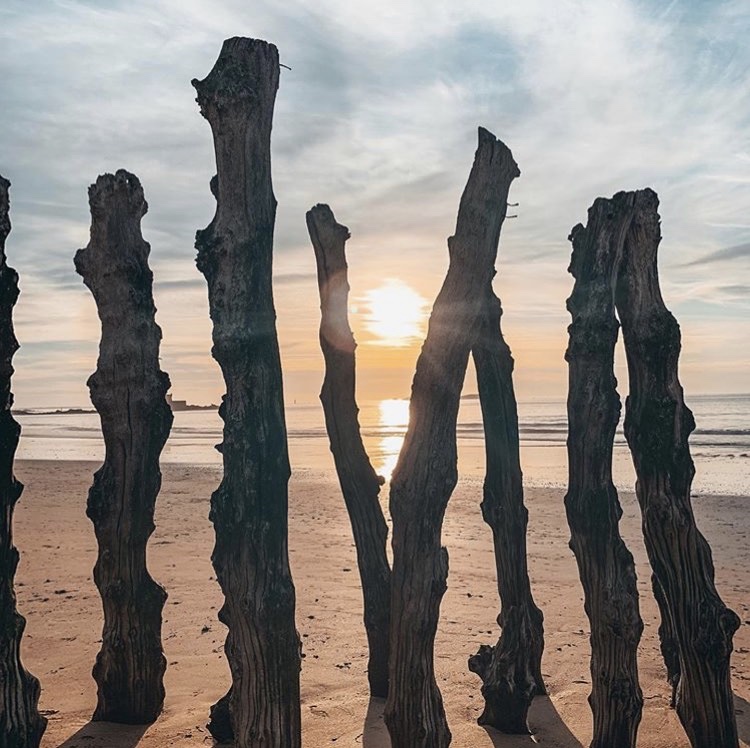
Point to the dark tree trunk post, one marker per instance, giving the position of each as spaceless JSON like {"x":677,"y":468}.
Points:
{"x":21,"y":725}
{"x":426,"y":472}
{"x":249,"y":509}
{"x":657,"y":427}
{"x":128,"y":389}
{"x":511,"y":671}
{"x":605,"y":564}
{"x":667,"y":640}
{"x":359,"y":482}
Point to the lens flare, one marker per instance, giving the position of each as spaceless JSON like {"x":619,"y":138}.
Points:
{"x":395,"y":314}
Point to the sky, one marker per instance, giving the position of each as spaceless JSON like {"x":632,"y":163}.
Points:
{"x":377,"y":117}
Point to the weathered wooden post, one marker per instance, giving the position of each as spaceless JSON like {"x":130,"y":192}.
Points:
{"x":511,"y":671}
{"x":128,"y":389}
{"x":359,"y":482}
{"x":426,"y":472}
{"x":249,"y":509}
{"x":605,"y":564}
{"x":667,"y":639}
{"x":21,"y":725}
{"x":657,"y":427}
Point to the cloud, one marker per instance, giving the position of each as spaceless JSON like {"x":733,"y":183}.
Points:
{"x":378,"y":118}
{"x":742,"y":291}
{"x":739,"y":251}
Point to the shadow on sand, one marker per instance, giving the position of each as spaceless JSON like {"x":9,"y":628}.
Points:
{"x":101,"y":734}
{"x":543,"y":718}
{"x":742,"y":710}
{"x":374,"y":732}
{"x":547,"y":723}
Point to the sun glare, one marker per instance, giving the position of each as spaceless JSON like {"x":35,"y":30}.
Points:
{"x":395,"y":313}
{"x":394,"y":418}
{"x":394,"y":414}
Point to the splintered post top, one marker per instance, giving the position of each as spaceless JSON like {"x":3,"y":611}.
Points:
{"x":483,"y":205}
{"x":122,"y":190}
{"x":237,"y":98}
{"x":246,"y":74}
{"x":117,"y":206}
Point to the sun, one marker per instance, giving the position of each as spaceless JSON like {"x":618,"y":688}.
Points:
{"x":394,"y":313}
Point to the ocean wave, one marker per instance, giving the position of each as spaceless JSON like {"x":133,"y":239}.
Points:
{"x":722,"y":432}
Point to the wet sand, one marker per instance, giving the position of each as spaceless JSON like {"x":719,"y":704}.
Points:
{"x":58,"y":597}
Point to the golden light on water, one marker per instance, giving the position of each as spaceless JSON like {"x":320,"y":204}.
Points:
{"x":394,"y":414}
{"x":395,"y":314}
{"x":390,"y":446}
{"x":393,"y":420}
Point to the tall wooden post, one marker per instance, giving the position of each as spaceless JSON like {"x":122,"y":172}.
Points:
{"x":128,"y":389}
{"x":657,"y":427}
{"x":21,"y":725}
{"x":359,"y":482}
{"x":249,"y":509}
{"x":426,"y":472}
{"x":605,"y":564}
{"x":511,"y":671}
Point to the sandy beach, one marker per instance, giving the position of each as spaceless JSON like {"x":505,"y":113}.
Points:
{"x":58,"y":597}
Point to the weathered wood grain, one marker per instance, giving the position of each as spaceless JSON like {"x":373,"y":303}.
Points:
{"x":511,"y":671}
{"x":128,"y":389}
{"x":697,"y":626}
{"x":359,"y":482}
{"x":21,"y":725}
{"x":250,"y":508}
{"x":426,"y":471}
{"x":605,"y":564}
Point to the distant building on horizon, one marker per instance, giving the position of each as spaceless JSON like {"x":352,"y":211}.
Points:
{"x":180,"y":405}
{"x":176,"y":404}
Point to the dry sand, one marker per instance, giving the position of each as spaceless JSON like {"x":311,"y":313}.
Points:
{"x":57,"y":595}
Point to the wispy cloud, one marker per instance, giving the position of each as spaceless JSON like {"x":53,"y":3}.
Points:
{"x":378,"y":118}
{"x":739,"y":251}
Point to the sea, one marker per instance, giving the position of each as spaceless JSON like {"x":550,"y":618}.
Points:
{"x":720,"y":445}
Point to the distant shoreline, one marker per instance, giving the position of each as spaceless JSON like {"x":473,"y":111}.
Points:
{"x":55,"y":412}
{"x":90,"y":411}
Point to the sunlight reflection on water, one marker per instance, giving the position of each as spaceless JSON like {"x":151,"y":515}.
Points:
{"x":393,"y":418}
{"x":720,"y":445}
